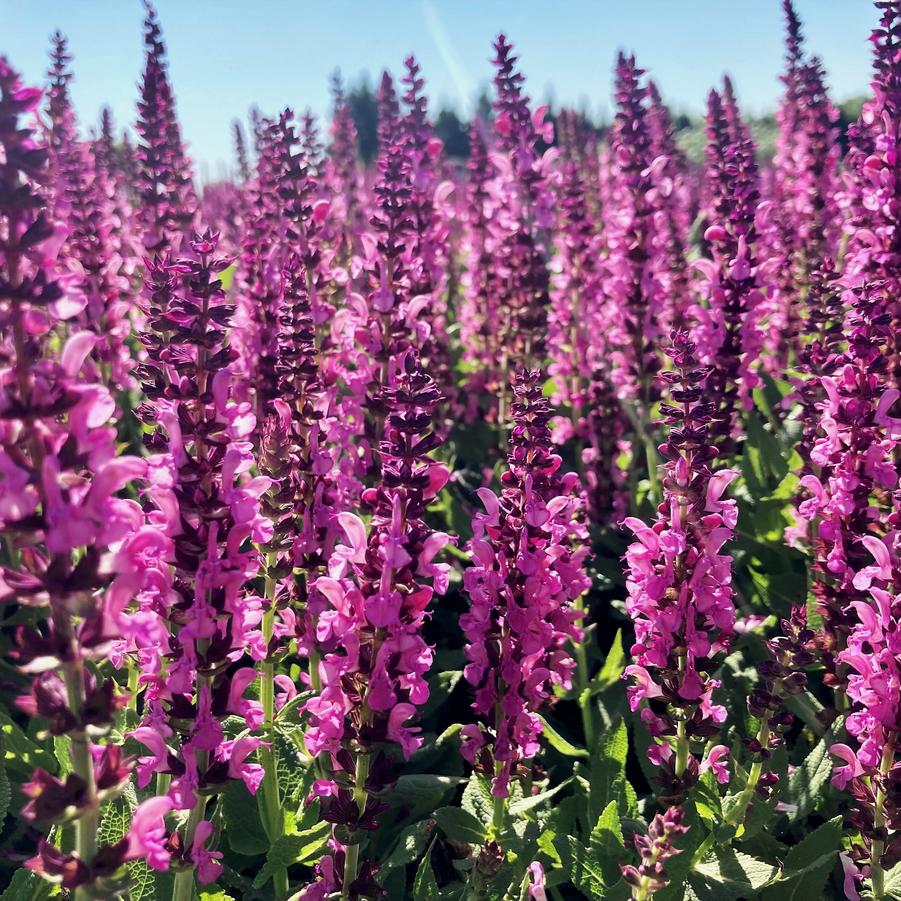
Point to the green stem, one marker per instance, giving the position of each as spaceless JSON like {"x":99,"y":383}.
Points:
{"x":582,"y":682}
{"x":352,"y":853}
{"x":737,"y":815}
{"x":134,"y":674}
{"x":183,"y":887}
{"x":877,"y":874}
{"x":650,"y":455}
{"x":500,"y":812}
{"x":681,"y":749}
{"x":268,"y":799}
{"x":88,"y":822}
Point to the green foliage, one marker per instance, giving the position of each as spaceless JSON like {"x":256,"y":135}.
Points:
{"x":241,"y":816}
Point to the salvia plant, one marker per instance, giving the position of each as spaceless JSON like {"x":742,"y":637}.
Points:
{"x":527,"y":527}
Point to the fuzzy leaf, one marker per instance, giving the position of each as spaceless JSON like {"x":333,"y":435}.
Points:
{"x":305,"y":847}
{"x":614,"y":664}
{"x":20,"y":754}
{"x":290,"y":768}
{"x":606,"y":843}
{"x":806,"y":783}
{"x":559,"y":743}
{"x":241,"y":814}
{"x":808,"y":864}
{"x":26,"y":886}
{"x":530,"y":802}
{"x":584,"y":870}
{"x":730,"y":874}
{"x":477,"y":799}
{"x":608,"y":773}
{"x":410,"y":844}
{"x":5,"y":794}
{"x":423,"y":792}
{"x":460,"y":825}
{"x":425,"y":888}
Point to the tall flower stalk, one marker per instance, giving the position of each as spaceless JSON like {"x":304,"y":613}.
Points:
{"x":529,"y":550}
{"x":205,"y":501}
{"x":375,"y":658}
{"x":61,"y":517}
{"x":679,"y":584}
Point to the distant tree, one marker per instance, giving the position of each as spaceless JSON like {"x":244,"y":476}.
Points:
{"x":453,"y":134}
{"x":848,"y":112}
{"x":364,"y":109}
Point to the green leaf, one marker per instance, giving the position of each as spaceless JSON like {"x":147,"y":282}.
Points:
{"x":410,"y":844}
{"x":441,"y":686}
{"x":706,"y":797}
{"x":529,"y":802}
{"x":423,"y":792}
{"x":241,"y":814}
{"x":20,"y":754}
{"x":217,"y":895}
{"x":305,"y":847}
{"x":559,"y":743}
{"x":608,"y":773}
{"x":806,"y":783}
{"x":892,"y":882}
{"x":227,"y":276}
{"x":477,"y":799}
{"x":291,"y":771}
{"x":584,"y":871}
{"x":425,"y":888}
{"x":61,"y":749}
{"x":808,"y":864}
{"x":26,"y":886}
{"x":606,"y":843}
{"x":460,"y":825}
{"x":730,"y":874}
{"x":614,"y":664}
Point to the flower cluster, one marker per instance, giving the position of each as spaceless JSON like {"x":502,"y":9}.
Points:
{"x":374,"y":657}
{"x":679,"y":584}
{"x":655,"y":849}
{"x":528,"y":553}
{"x":62,"y":516}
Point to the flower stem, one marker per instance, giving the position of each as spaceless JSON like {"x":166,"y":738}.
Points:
{"x":87,"y":824}
{"x":877,"y":874}
{"x":583,"y":679}
{"x":737,"y":815}
{"x":352,"y":852}
{"x":269,"y":800}
{"x":183,"y":887}
{"x":500,"y":813}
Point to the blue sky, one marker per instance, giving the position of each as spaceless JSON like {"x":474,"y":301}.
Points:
{"x":228,"y":54}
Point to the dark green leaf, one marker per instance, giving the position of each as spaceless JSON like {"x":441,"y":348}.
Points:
{"x":559,"y":743}
{"x":410,"y":844}
{"x":305,"y":847}
{"x":606,"y":843}
{"x":460,"y":825}
{"x":806,"y":783}
{"x":808,"y":864}
{"x":584,"y":871}
{"x":477,"y":799}
{"x":425,"y":888}
{"x":241,"y":814}
{"x":608,"y":773}
{"x":730,"y":874}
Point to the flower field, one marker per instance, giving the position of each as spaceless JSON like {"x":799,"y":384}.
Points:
{"x":519,"y":527}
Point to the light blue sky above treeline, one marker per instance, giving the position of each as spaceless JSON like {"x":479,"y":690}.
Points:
{"x":228,"y":54}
